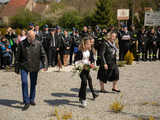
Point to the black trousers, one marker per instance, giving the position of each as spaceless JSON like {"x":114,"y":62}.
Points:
{"x":152,"y":52}
{"x":123,"y":50}
{"x":155,"y":52}
{"x":71,"y":56}
{"x":52,"y":56}
{"x":85,"y":75}
{"x":144,"y":52}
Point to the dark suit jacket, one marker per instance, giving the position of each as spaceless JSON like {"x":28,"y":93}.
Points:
{"x":51,"y":41}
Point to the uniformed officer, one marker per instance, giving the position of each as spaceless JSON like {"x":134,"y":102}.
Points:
{"x":151,"y":46}
{"x":142,"y":46}
{"x":125,"y":42}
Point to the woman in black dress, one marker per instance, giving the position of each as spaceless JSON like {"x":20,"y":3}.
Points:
{"x":108,"y":70}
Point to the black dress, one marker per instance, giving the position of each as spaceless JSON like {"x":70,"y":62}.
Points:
{"x":108,"y":56}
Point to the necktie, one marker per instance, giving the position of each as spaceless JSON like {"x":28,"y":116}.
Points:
{"x":53,"y":41}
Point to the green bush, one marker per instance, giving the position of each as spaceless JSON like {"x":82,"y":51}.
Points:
{"x":22,"y":19}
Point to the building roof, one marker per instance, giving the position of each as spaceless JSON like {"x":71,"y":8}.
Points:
{"x":12,"y":7}
{"x":4,"y":1}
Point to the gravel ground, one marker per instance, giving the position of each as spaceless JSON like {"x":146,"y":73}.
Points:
{"x":139,"y":83}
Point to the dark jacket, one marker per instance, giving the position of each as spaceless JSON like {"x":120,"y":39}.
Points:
{"x":76,"y":40}
{"x":84,"y":34}
{"x":51,"y":41}
{"x":106,"y":55}
{"x":151,"y":38}
{"x":45,"y":41}
{"x":29,"y":55}
{"x":59,"y":40}
{"x":158,"y":37}
{"x":142,"y":37}
{"x":134,"y":36}
{"x":125,"y":40}
{"x":66,"y":42}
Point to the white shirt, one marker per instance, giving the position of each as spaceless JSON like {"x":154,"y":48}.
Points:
{"x":23,"y":38}
{"x":85,"y":59}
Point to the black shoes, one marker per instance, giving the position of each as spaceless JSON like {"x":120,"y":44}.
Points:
{"x":116,"y":90}
{"x":33,"y":103}
{"x":26,"y":106}
{"x":95,"y":96}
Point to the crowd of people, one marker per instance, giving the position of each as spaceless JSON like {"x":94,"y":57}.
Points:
{"x":144,"y":43}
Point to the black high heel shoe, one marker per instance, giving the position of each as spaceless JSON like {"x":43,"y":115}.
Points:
{"x":116,"y":90}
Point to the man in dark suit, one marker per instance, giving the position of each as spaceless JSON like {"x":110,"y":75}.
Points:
{"x":59,"y":36}
{"x":53,"y":47}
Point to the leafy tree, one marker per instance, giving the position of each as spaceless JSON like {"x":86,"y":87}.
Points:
{"x":104,"y":15}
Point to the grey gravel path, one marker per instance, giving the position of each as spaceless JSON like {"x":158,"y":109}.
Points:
{"x":139,"y":83}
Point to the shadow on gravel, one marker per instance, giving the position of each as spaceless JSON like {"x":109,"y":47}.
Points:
{"x":138,"y":116}
{"x":88,"y":90}
{"x":77,"y":90}
{"x":57,"y":102}
{"x":10,"y":103}
{"x":144,"y":117}
{"x":64,"y":95}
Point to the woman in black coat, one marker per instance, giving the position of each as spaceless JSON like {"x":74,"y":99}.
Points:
{"x":108,"y":70}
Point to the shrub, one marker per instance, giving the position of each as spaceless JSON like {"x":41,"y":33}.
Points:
{"x":117,"y":106}
{"x":129,"y":58}
{"x":62,"y":115}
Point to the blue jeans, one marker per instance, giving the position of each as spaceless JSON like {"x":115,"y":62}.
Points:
{"x":33,"y":81}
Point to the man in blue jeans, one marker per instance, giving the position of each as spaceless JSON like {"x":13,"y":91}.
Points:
{"x":29,"y":54}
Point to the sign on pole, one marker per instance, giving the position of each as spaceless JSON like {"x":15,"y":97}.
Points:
{"x":152,"y":19}
{"x":123,"y":14}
